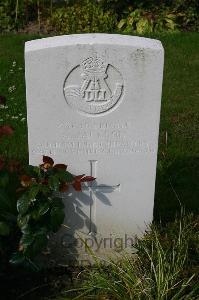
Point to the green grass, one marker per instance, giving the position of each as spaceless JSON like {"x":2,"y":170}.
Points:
{"x":165,"y":267}
{"x":12,"y":50}
{"x":178,"y":159}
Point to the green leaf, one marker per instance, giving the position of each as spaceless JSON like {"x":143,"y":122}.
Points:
{"x":43,"y":208}
{"x":26,"y":240}
{"x":65,"y":176}
{"x":22,"y":221}
{"x":57,"y":202}
{"x":31,"y":170}
{"x":57,"y":218}
{"x":4,"y":229}
{"x":54,"y":182}
{"x":36,"y":170}
{"x":170,"y":24}
{"x":143,"y":25}
{"x":34,"y":190}
{"x":4,"y":179}
{"x":40,"y":241}
{"x":44,"y":189}
{"x":121,"y":23}
{"x":171,"y":16}
{"x":17,"y":258}
{"x":23,"y":204}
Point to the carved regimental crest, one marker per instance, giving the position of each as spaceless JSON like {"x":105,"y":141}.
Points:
{"x":93,"y":87}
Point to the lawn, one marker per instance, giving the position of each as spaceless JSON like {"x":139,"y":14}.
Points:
{"x":178,"y":159}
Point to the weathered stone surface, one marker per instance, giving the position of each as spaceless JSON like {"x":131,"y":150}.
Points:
{"x":93,"y":102}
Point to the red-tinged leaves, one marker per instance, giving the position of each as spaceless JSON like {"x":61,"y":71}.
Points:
{"x":79,"y":177}
{"x":48,"y":160}
{"x":6,"y":130}
{"x":42,"y":167}
{"x":63,"y":187}
{"x":60,"y":167}
{"x":77,"y":186}
{"x":2,"y":100}
{"x":26,"y":180}
{"x":87,"y":179}
{"x":45,"y":166}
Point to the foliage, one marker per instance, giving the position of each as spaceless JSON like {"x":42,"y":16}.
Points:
{"x":15,"y":14}
{"x":142,"y":21}
{"x":6,"y":17}
{"x":73,"y":16}
{"x":83,"y":17}
{"x":8,"y":209}
{"x":25,"y":224}
{"x":186,"y":11}
{"x":40,"y":207}
{"x":118,"y":6}
{"x":163,"y":267}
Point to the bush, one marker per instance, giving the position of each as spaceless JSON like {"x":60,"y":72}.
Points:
{"x":83,"y":17}
{"x":141,"y":21}
{"x":117,"y":6}
{"x":6,"y":17}
{"x":31,"y":206}
{"x":76,"y":16}
{"x":40,"y":207}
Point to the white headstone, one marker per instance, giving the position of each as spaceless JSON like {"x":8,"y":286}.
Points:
{"x":93,"y":103}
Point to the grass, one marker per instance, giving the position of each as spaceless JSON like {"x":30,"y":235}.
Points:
{"x":178,"y":159}
{"x":165,"y":268}
{"x":12,"y":85}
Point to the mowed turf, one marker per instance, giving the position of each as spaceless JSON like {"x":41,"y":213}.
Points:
{"x":178,"y":160}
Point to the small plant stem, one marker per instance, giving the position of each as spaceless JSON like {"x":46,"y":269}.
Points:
{"x":16,"y":10}
{"x":51,"y":7}
{"x":38,"y":14}
{"x":26,"y":11}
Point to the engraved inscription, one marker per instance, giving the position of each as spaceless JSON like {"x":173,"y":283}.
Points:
{"x":104,"y":138}
{"x":102,"y":148}
{"x":93,"y":87}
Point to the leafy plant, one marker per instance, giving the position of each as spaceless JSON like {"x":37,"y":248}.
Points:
{"x":142,"y":21}
{"x":86,"y":16}
{"x":30,"y":205}
{"x":6,"y":20}
{"x":8,"y":210}
{"x":40,"y":208}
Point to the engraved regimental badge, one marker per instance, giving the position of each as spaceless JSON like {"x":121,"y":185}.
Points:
{"x":93,"y":87}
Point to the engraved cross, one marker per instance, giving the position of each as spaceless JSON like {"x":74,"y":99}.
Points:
{"x":93,"y":189}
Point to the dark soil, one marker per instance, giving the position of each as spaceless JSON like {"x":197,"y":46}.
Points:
{"x":46,"y":284}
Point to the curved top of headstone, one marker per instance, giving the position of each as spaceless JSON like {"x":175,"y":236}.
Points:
{"x":93,"y":38}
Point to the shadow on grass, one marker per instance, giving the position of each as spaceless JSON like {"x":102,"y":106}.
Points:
{"x":176,"y":186}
